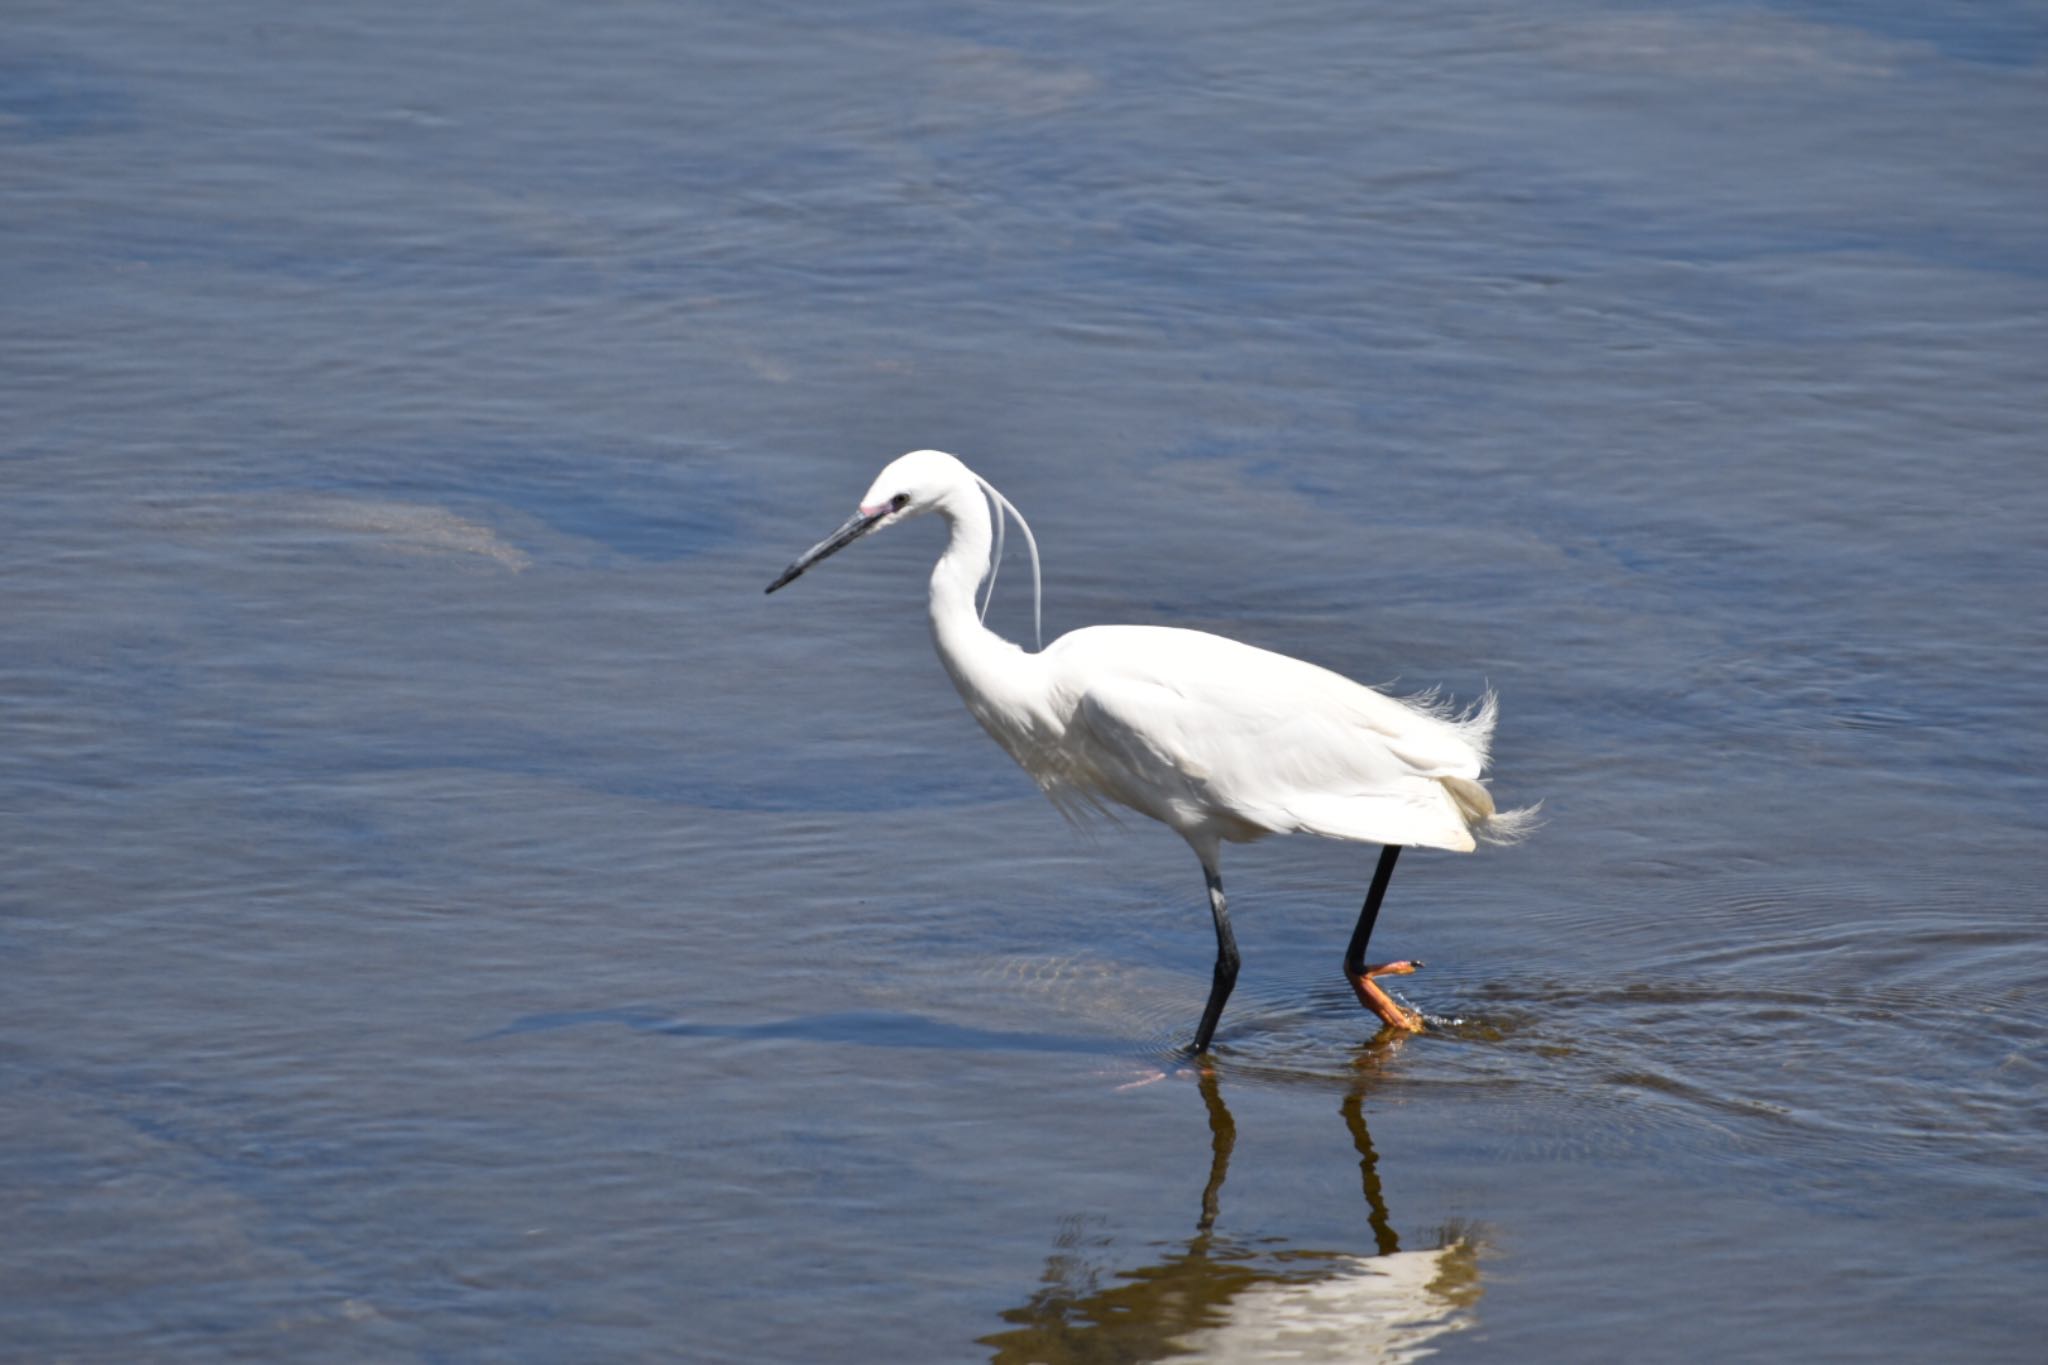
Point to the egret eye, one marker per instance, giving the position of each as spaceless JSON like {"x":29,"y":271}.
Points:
{"x":899,"y":502}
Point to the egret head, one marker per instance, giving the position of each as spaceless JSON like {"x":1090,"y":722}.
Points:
{"x":927,"y":481}
{"x":909,"y":486}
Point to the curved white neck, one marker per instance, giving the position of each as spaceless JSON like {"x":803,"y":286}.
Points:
{"x":988,"y":670}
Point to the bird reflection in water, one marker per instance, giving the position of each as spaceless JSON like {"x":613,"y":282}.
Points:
{"x":1225,"y":1300}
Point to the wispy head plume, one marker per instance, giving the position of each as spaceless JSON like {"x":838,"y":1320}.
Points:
{"x":1004,"y":506}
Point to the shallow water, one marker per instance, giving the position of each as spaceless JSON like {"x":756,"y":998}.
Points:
{"x":450,"y":914}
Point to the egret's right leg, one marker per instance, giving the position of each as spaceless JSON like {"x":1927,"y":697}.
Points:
{"x":1359,"y":973}
{"x":1226,"y":960}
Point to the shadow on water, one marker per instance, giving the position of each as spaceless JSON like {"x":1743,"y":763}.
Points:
{"x":1241,"y":1299}
{"x":857,"y":1028}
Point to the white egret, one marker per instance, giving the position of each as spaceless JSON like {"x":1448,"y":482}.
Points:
{"x":1219,"y":740}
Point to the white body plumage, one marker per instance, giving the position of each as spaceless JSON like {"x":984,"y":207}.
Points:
{"x":1217,"y":739}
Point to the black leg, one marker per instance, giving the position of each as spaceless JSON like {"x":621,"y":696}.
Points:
{"x":1226,"y":962}
{"x":1354,"y":956}
{"x":1359,"y":974}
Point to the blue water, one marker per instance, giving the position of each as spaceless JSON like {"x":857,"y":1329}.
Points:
{"x":450,"y":914}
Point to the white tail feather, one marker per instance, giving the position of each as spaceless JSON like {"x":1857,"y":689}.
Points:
{"x":1509,"y":826}
{"x":1475,"y":803}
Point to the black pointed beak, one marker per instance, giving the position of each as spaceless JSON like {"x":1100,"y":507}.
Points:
{"x":858,"y":525}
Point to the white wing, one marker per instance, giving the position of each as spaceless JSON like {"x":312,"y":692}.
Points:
{"x":1204,"y":732}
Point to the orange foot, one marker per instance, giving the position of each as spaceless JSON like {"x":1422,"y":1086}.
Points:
{"x":1382,"y":1004}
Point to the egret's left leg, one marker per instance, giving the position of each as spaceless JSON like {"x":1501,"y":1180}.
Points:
{"x":1226,"y":960}
{"x":1358,"y":973}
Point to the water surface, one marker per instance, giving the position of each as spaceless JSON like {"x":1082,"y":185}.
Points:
{"x":450,"y":914}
